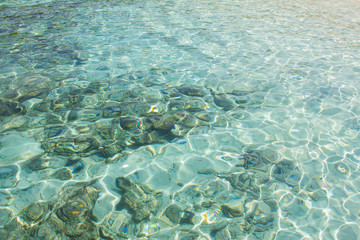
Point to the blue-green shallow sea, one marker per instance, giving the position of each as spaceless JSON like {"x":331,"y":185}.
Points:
{"x":179,"y":119}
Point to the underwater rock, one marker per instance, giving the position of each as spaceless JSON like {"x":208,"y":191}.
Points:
{"x":185,"y":119}
{"x":190,"y":194}
{"x":204,"y":116}
{"x":216,"y":190}
{"x":196,"y":105}
{"x":50,"y":228}
{"x":62,"y":174}
{"x":107,"y":134}
{"x":69,"y":101}
{"x":282,"y":169}
{"x":177,"y":215}
{"x":85,"y":230}
{"x":261,"y":216}
{"x":239,"y":228}
{"x":130,"y":122}
{"x":56,"y":117}
{"x":255,"y":160}
{"x":193,"y":105}
{"x":149,"y":229}
{"x":38,"y":162}
{"x":146,"y":138}
{"x":222,"y":234}
{"x":221,"y":100}
{"x":315,"y":184}
{"x":165,"y":122}
{"x":10,"y":94}
{"x":53,"y":131}
{"x":81,"y":145}
{"x":112,"y":149}
{"x":34,"y":86}
{"x":318,"y":195}
{"x":242,"y":181}
{"x":5,"y":198}
{"x":250,"y":100}
{"x":75,"y":163}
{"x":339,"y":169}
{"x":121,"y":96}
{"x":232,"y":211}
{"x":142,"y":109}
{"x":5,"y":216}
{"x":191,"y":90}
{"x":4,"y":233}
{"x":211,"y":215}
{"x":112,"y":111}
{"x":18,"y":122}
{"x":75,"y":210}
{"x":42,"y":106}
{"x":8,"y":108}
{"x":188,"y":236}
{"x":85,"y":115}
{"x":177,"y":105}
{"x":67,"y":215}
{"x":33,"y":213}
{"x":294,"y":177}
{"x":116,"y":224}
{"x":179,"y":131}
{"x":8,"y":177}
{"x":216,"y":226}
{"x":170,"y":93}
{"x":139,"y":201}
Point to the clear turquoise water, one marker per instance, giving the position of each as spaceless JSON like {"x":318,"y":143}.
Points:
{"x":267,"y":146}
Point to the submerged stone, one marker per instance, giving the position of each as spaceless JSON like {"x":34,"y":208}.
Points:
{"x":34,"y":212}
{"x":4,"y":233}
{"x":8,"y":177}
{"x":5,"y":216}
{"x":215,"y":189}
{"x":8,"y":108}
{"x":221,"y":100}
{"x":5,"y":198}
{"x":193,"y":105}
{"x":141,"y":109}
{"x":74,"y":209}
{"x":191,"y":90}
{"x":34,"y":86}
{"x":204,"y":116}
{"x":73,"y":145}
{"x":130,"y":122}
{"x":38,"y":162}
{"x":85,"y":115}
{"x":62,"y":174}
{"x":282,"y":169}
{"x":116,"y":224}
{"x":146,"y":138}
{"x":177,"y":215}
{"x":231,"y":211}
{"x":165,"y":122}
{"x":255,"y":160}
{"x":112,"y":111}
{"x":190,"y":194}
{"x":140,"y":202}
{"x":185,"y":119}
{"x":112,"y":149}
{"x":18,"y":122}
{"x":54,"y":131}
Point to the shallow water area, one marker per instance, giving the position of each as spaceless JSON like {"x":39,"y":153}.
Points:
{"x":178,"y":120}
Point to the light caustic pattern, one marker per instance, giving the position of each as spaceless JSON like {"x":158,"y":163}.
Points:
{"x":178,"y":120}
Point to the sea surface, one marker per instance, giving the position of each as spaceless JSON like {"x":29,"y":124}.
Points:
{"x":174,"y":119}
